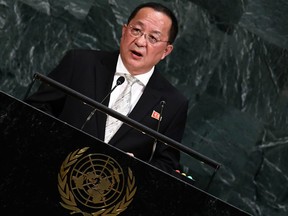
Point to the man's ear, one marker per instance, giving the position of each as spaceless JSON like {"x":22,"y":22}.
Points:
{"x":167,"y":51}
{"x":123,"y":29}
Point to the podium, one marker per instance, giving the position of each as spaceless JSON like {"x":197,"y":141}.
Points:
{"x":51,"y":168}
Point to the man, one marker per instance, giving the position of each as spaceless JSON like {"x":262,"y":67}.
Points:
{"x":146,"y":39}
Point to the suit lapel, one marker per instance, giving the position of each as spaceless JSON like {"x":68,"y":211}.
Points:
{"x":104,"y":76}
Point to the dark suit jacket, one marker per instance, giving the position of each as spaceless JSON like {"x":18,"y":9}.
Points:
{"x":91,"y":73}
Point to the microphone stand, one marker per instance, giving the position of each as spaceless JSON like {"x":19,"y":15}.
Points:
{"x":158,"y":127}
{"x":119,"y":81}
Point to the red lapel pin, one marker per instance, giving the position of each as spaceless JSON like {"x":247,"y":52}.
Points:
{"x":155,"y":115}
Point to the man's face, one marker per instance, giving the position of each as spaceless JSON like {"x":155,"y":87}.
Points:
{"x":137,"y":53}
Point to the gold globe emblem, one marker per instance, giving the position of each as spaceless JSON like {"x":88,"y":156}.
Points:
{"x":96,"y":182}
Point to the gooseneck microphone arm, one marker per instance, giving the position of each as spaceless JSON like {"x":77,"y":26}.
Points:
{"x":119,"y":81}
{"x":158,"y":127}
{"x":128,"y":121}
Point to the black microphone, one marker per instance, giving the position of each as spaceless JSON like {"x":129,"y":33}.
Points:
{"x":162,"y":103}
{"x":119,"y":81}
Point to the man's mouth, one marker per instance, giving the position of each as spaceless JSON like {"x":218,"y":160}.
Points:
{"x":136,"y":53}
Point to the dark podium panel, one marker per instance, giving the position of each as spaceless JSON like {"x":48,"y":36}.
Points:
{"x":50,"y":168}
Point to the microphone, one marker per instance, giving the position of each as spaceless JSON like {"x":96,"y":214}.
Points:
{"x":162,"y":103}
{"x":119,"y":81}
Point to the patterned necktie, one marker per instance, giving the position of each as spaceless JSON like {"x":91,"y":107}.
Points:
{"x":121,"y":105}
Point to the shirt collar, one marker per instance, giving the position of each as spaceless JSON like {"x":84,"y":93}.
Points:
{"x":143,"y":78}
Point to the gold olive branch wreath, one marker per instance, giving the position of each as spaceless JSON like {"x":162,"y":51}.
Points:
{"x":69,"y":200}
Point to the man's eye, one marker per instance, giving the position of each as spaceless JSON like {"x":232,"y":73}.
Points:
{"x":152,"y":39}
{"x":136,"y":30}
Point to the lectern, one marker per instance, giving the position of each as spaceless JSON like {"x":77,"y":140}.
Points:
{"x":51,"y":168}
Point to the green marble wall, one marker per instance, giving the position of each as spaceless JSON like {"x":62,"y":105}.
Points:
{"x":230,"y":60}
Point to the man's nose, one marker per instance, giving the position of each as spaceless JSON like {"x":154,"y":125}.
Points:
{"x":142,"y":40}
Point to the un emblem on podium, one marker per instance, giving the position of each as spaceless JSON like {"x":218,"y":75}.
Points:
{"x":94,"y":184}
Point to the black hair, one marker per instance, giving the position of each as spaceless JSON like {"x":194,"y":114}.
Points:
{"x":160,"y":8}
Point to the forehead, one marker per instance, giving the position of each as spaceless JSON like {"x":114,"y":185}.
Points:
{"x":154,"y":20}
